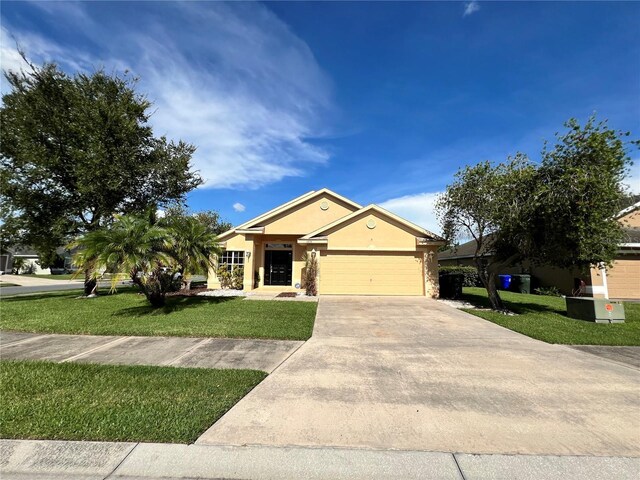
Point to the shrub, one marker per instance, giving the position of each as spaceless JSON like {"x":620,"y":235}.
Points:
{"x":310,"y":275}
{"x":471,"y":278}
{"x":549,"y":291}
{"x":224,"y":276}
{"x":237,"y":277}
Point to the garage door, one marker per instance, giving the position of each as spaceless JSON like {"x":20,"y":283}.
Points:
{"x":368,"y":273}
{"x":623,"y":279}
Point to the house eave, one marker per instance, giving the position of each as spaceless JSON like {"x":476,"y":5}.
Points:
{"x":250,"y":231}
{"x":313,"y":241}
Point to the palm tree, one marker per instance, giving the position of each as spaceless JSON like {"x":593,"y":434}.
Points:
{"x":133,"y":245}
{"x":194,"y":246}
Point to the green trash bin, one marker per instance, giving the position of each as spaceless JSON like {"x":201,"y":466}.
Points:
{"x":521,"y":284}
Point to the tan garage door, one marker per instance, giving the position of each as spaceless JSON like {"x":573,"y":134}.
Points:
{"x":623,"y":279}
{"x":369,"y":273}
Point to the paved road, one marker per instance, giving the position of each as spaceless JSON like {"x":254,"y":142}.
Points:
{"x":29,"y":459}
{"x":414,"y":374}
{"x":8,"y":291}
{"x":30,"y":285}
{"x":264,"y":355}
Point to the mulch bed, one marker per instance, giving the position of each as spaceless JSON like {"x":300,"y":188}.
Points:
{"x":191,"y":293}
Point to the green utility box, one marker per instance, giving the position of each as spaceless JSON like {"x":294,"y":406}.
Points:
{"x":599,"y":310}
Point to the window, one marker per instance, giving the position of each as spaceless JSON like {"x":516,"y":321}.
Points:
{"x":232,"y":258}
{"x":278,"y":245}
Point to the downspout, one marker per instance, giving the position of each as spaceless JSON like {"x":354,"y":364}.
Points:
{"x":603,"y":272}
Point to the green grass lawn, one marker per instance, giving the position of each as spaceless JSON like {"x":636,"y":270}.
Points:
{"x":544,"y":318}
{"x":8,"y":284}
{"x":128,"y":313}
{"x":116,"y":403}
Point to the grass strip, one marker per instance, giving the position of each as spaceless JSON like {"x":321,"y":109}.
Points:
{"x":42,"y":400}
{"x":545,"y":318}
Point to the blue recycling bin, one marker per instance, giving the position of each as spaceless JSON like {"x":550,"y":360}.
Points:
{"x":504,"y":281}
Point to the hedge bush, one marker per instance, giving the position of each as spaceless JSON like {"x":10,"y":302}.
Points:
{"x":471,"y":278}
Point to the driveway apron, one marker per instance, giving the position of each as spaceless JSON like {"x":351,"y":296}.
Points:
{"x":414,"y":374}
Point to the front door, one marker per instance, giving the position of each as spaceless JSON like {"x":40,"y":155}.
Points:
{"x":278,"y":267}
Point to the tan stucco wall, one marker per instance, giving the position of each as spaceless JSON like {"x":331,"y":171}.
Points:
{"x":387,"y":234}
{"x":242,"y":243}
{"x":431,"y":281}
{"x":357,"y":256}
{"x":307,"y":217}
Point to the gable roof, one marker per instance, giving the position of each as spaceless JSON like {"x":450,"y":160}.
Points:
{"x":254,"y":222}
{"x":628,"y":210}
{"x":381,"y":211}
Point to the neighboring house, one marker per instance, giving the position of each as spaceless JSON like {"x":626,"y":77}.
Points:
{"x":31,"y":258}
{"x":622,"y":281}
{"x":544,"y":276}
{"x":360,"y":250}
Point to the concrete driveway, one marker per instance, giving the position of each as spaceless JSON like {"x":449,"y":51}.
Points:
{"x":414,"y":374}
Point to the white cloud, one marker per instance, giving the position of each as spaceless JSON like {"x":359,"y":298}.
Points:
{"x":238,"y":207}
{"x":418,"y":208}
{"x":471,"y":8}
{"x":10,"y":59}
{"x":633,"y":179}
{"x":234,"y":80}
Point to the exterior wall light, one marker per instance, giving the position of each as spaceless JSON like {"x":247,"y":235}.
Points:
{"x":313,"y":253}
{"x":247,"y":254}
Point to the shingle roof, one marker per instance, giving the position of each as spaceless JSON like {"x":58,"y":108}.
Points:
{"x":465,"y":250}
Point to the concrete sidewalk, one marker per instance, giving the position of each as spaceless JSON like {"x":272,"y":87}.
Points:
{"x":36,"y":459}
{"x":264,"y":355}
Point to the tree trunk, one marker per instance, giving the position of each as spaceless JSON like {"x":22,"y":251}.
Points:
{"x":488,"y":279}
{"x":90,"y":283}
{"x":492,"y":292}
{"x":156,"y":299}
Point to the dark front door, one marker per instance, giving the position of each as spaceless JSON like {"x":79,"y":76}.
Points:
{"x":278,"y":267}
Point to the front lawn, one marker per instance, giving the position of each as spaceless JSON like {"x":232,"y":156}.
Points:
{"x":128,"y":313}
{"x":116,"y":403}
{"x":544,"y":318}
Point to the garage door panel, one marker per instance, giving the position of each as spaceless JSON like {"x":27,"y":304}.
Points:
{"x":361,"y":273}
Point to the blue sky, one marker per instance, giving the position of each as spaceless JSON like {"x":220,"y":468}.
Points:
{"x":381,"y":102}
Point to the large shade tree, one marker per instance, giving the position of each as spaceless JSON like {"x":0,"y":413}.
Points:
{"x":77,"y":149}
{"x":488,"y":203}
{"x":560,"y":212}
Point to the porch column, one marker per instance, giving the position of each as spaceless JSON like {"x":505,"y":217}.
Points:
{"x":249,"y":262}
{"x":430,"y":271}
